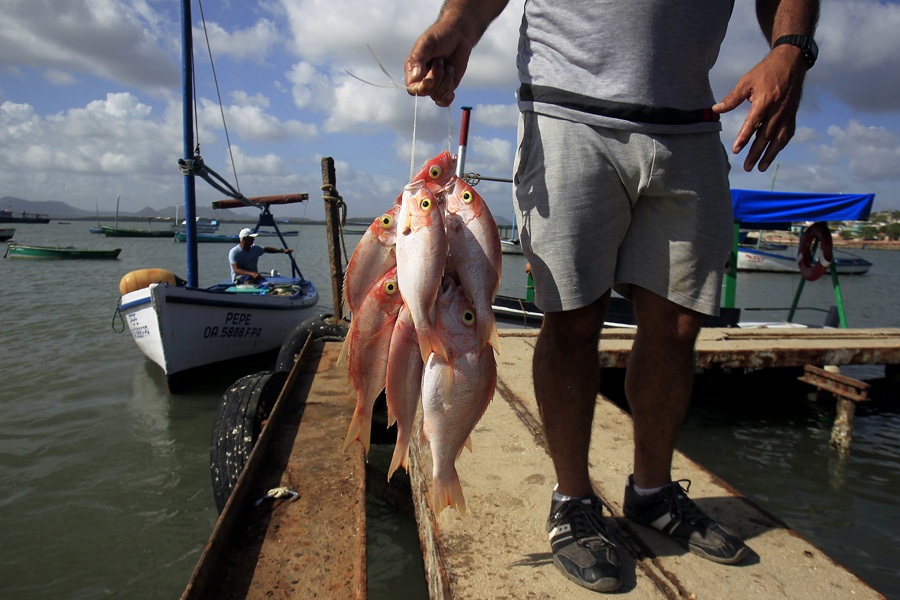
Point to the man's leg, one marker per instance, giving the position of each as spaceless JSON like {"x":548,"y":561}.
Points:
{"x":566,"y":380}
{"x":566,"y":374}
{"x":658,"y":386}
{"x":658,"y":382}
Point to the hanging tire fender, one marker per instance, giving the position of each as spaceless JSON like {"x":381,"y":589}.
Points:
{"x":245,"y":406}
{"x":323,"y":329}
{"x":817,"y":232}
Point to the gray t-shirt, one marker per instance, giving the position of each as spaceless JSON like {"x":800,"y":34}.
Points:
{"x":639,"y":65}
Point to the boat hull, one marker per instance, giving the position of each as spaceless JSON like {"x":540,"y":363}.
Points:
{"x":181,"y":328}
{"x":60,"y":253}
{"x":207,"y":238}
{"x":123,"y":232}
{"x":769,"y":262}
{"x":7,"y":233}
{"x":510,"y":247}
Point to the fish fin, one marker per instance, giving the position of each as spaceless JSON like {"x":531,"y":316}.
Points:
{"x":488,"y":334}
{"x":429,"y":342}
{"x":448,"y":492}
{"x":345,"y":349}
{"x":495,"y":337}
{"x":467,"y":445}
{"x":360,"y":429}
{"x":420,"y":432}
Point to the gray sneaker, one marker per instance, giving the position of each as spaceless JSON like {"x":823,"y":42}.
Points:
{"x":673,"y":513}
{"x":581,"y":548}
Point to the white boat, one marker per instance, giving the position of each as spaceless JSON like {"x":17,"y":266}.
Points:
{"x":511,"y":245}
{"x":7,"y":233}
{"x":181,"y":326}
{"x":751,"y":259}
{"x":508,"y":246}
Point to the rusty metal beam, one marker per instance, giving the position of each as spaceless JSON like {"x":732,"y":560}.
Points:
{"x":839,"y":385}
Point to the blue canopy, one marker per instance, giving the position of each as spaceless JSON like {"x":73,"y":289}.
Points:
{"x":777,"y":210}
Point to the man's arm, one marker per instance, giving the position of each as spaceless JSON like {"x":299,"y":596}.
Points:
{"x":775,"y":85}
{"x":438,"y":59}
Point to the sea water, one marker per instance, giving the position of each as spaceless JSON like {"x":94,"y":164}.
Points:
{"x":104,"y":476}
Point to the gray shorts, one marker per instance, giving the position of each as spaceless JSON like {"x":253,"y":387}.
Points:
{"x":602,"y":208}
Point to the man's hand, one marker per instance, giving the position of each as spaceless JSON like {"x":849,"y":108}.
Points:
{"x":774,"y":88}
{"x":438,"y":60}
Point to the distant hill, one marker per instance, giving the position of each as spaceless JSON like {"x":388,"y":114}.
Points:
{"x":54,"y":208}
{"x":60,"y":210}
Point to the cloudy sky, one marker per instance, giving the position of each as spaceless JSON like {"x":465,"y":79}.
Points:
{"x":90,"y":101}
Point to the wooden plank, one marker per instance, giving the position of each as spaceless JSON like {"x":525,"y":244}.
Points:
{"x":260,"y":201}
{"x":500,"y":548}
{"x":314,"y":546}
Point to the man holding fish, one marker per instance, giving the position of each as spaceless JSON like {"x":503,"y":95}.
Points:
{"x":621,"y":182}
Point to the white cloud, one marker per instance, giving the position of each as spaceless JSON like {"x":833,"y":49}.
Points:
{"x":253,"y":43}
{"x":106,"y":38}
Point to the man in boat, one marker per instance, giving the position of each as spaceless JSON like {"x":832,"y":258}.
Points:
{"x":244,"y":258}
{"x":621,"y":181}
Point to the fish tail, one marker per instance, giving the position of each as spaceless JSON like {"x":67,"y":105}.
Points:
{"x":360,"y":429}
{"x":400,"y":458}
{"x":448,"y":492}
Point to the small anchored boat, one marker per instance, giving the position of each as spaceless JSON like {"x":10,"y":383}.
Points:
{"x":15,"y":250}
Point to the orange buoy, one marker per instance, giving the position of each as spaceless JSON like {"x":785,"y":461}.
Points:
{"x":816,"y":232}
{"x":137,"y":280}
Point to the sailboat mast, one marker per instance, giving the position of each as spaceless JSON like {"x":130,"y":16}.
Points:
{"x":190,"y":198}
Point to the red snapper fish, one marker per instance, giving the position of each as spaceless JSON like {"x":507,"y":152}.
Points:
{"x":373,"y":257}
{"x":367,"y":344}
{"x":403,"y":386}
{"x":437,"y":172}
{"x":421,"y":255}
{"x":475,"y":249}
{"x":455,"y":393}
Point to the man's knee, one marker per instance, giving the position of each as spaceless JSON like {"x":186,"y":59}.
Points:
{"x":577,"y":326}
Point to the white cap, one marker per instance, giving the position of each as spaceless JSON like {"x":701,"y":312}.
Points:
{"x":246,"y":232}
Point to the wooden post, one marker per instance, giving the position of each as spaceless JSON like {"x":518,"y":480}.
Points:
{"x":333,"y":202}
{"x":842,"y":429}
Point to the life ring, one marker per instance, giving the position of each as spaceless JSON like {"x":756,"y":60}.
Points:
{"x":820,"y":233}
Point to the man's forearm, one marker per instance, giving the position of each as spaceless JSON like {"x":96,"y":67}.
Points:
{"x":473,"y":15}
{"x":787,"y":17}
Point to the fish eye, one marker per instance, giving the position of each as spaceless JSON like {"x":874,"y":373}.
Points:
{"x":468,"y":317}
{"x":468,"y":196}
{"x":387,"y":221}
{"x":435,"y":171}
{"x":426,"y":204}
{"x":390,"y":286}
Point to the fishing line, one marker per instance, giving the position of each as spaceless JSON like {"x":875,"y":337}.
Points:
{"x":412,"y":158}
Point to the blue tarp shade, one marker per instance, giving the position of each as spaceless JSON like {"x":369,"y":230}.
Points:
{"x":777,"y":210}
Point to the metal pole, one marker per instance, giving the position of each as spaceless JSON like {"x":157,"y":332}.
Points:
{"x":190,"y":199}
{"x":463,"y":141}
{"x":838,"y":297}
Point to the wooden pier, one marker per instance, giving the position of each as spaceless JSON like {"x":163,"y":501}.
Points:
{"x":315,"y":546}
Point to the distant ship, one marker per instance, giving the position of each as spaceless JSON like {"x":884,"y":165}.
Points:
{"x":7,"y":216}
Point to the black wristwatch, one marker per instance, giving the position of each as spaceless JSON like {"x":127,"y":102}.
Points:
{"x":807,"y":45}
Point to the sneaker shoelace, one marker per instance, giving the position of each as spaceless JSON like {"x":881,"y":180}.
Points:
{"x":681,"y":507}
{"x":586,"y":523}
